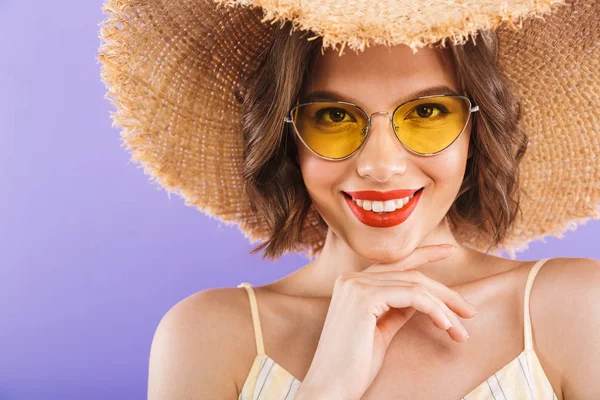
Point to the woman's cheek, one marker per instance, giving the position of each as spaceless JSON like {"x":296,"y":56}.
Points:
{"x":323,"y":180}
{"x":447,"y":170}
{"x":310,"y":167}
{"x":320,"y":176}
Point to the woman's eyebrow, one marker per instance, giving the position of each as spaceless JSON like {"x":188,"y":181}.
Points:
{"x":441,"y":90}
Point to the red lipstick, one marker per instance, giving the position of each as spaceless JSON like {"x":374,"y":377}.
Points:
{"x":386,"y":220}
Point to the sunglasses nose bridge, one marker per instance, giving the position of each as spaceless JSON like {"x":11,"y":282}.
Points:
{"x":379,"y":112}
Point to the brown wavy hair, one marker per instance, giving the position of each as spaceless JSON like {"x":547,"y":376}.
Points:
{"x":488,"y":200}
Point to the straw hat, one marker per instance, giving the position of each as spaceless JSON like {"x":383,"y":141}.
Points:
{"x":173,"y":67}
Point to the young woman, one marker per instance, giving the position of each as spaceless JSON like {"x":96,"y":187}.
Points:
{"x":386,"y":152}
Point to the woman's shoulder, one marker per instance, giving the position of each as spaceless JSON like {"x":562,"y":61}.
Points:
{"x":562,"y":275}
{"x":205,"y":335}
{"x":224,"y":315}
{"x":215,"y":309}
{"x":565,"y":288}
{"x":556,"y":281}
{"x":565,"y":317}
{"x":213,"y":302}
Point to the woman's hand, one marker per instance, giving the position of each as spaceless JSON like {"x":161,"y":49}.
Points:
{"x":367,"y":309}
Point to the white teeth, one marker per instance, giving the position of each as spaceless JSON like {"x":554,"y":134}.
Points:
{"x":377,"y":206}
{"x":383,"y":206}
{"x":389,"y":205}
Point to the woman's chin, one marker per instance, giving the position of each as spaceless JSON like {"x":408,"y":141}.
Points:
{"x":382,"y":253}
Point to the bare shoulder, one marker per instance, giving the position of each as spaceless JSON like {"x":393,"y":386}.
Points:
{"x":565,"y":315}
{"x":198,"y":345}
{"x":565,"y":283}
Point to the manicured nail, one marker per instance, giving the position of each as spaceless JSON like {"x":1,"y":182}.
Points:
{"x":448,"y":323}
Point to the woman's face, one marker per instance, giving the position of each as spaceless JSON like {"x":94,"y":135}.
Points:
{"x":379,"y":79}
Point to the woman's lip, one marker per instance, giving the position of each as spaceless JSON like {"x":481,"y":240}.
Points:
{"x":374,"y":195}
{"x":383,"y":220}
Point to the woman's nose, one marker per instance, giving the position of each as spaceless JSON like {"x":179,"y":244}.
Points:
{"x":382,"y":156}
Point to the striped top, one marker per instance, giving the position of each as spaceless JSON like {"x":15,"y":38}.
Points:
{"x":521,"y":379}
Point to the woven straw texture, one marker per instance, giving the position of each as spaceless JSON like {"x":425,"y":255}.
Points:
{"x":173,"y":69}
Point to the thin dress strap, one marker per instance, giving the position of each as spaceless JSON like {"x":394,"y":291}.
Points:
{"x":527,"y":323}
{"x":260,"y":348}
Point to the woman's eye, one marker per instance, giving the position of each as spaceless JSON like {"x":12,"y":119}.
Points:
{"x":334,"y":115}
{"x":427,"y":111}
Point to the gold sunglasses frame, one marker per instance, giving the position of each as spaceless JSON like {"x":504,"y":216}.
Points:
{"x":289,"y":119}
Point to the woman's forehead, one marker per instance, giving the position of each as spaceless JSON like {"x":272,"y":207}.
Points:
{"x":400,"y":59}
{"x":380,"y":73}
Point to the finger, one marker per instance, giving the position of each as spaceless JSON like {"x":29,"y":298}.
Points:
{"x":392,"y":321}
{"x":457,"y":326}
{"x":450,"y":297}
{"x":398,"y":295}
{"x":458,"y":332}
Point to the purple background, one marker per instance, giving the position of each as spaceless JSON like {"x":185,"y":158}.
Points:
{"x":91,"y":254}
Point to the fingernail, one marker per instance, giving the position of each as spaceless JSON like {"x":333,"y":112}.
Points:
{"x":448,"y":323}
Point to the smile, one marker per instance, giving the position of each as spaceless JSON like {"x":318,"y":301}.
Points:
{"x":383,"y":209}
{"x":383,"y":206}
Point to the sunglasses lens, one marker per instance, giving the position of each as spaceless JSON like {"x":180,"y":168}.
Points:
{"x":428,"y":126}
{"x":331,"y":130}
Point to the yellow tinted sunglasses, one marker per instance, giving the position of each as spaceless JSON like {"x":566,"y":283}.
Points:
{"x":426,"y":126}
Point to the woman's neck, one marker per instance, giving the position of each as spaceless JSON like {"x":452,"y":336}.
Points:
{"x":337,"y":257}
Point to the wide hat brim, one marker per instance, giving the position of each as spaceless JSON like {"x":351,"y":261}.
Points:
{"x":174,"y":70}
